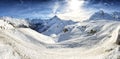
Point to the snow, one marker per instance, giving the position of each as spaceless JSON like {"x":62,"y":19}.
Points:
{"x":15,"y":22}
{"x":61,"y":39}
{"x":36,"y":35}
{"x":102,"y":15}
{"x":5,"y":25}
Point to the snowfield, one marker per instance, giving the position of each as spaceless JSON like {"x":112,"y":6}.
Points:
{"x":59,"y":39}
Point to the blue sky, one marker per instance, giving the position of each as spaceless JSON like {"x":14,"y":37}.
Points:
{"x":37,"y":8}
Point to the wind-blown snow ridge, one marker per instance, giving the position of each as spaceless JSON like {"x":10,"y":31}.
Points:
{"x":93,"y":39}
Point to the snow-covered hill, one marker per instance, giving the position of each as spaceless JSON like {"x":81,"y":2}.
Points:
{"x":61,"y":39}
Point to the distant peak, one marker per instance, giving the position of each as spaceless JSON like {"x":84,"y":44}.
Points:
{"x":55,"y":17}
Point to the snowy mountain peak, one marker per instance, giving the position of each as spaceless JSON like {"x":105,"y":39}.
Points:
{"x":55,"y":18}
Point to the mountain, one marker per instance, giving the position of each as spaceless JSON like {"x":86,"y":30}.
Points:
{"x":51,"y":26}
{"x":63,"y":39}
{"x":102,"y":15}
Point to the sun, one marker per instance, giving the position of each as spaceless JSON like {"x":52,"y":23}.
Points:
{"x":75,"y":4}
{"x":75,"y":11}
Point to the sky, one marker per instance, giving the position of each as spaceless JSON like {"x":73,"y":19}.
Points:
{"x":48,"y":8}
{"x":95,"y":1}
{"x":31,"y":8}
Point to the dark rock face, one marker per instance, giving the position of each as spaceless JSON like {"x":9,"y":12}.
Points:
{"x":37,"y":24}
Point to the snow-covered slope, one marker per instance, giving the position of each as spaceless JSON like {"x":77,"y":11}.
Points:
{"x":16,"y":22}
{"x":93,"y":39}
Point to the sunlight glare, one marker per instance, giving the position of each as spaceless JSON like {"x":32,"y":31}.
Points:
{"x":75,"y":4}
